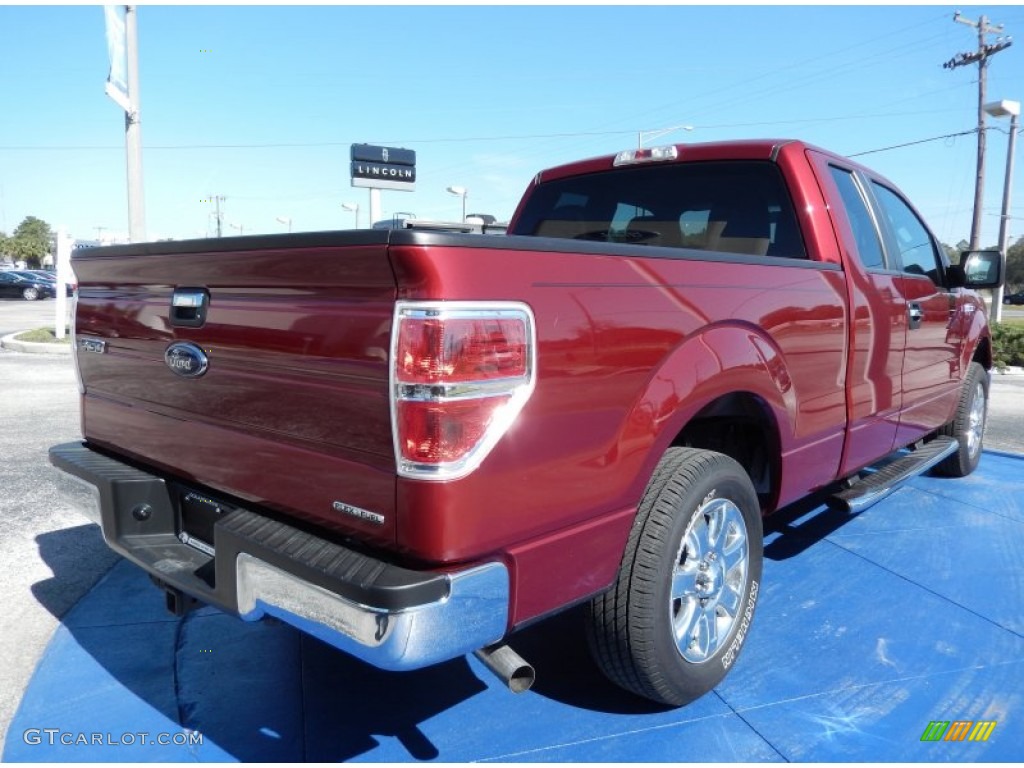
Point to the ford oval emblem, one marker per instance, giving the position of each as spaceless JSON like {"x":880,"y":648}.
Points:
{"x":186,"y":359}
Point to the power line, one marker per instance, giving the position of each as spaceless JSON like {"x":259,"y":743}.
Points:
{"x":332,"y":195}
{"x":285,"y":145}
{"x":808,"y":68}
{"x":912,"y":143}
{"x":461,"y":139}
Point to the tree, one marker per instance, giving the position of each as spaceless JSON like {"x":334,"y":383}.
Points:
{"x":953,"y":251}
{"x":30,"y":242}
{"x":1015,"y":264}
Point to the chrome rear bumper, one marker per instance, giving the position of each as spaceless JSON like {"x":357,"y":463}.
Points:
{"x":388,"y":616}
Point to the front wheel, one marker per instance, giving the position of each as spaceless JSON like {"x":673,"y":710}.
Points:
{"x":968,"y":425}
{"x":674,"y":622}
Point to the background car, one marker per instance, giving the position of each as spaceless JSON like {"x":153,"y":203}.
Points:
{"x":30,"y":288}
{"x":1014,"y":298}
{"x":44,"y":275}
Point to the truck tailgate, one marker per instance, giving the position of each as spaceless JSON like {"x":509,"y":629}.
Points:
{"x":292,"y":410}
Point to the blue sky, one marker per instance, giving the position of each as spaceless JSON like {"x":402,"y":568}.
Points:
{"x":485,"y":95}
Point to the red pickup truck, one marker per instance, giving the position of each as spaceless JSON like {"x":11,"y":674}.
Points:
{"x":411,"y":444}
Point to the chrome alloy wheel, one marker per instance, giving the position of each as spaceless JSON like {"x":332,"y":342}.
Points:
{"x":976,"y":421}
{"x":709,"y":579}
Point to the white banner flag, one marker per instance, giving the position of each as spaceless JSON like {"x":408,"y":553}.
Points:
{"x":117,"y":80}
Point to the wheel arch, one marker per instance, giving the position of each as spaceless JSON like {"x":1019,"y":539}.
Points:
{"x":741,"y":425}
{"x":977,"y":342}
{"x":982,"y":353}
{"x":719,"y":389}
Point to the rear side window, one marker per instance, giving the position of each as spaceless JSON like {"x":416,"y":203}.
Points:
{"x":869,"y":246}
{"x":734,"y":207}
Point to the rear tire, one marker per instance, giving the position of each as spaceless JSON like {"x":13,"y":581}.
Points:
{"x":968,"y":425}
{"x":673,"y":624}
{"x":30,"y":294}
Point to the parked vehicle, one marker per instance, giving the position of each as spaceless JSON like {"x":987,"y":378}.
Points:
{"x":43,"y":275}
{"x":397,"y":221}
{"x":1014,"y":298}
{"x":442,"y":438}
{"x":28,"y":287}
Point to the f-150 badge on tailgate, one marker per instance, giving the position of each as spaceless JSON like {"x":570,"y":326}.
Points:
{"x":186,"y":359}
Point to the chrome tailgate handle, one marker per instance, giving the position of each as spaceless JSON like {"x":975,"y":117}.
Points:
{"x":188,"y":307}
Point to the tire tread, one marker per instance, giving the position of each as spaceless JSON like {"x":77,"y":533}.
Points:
{"x":958,"y":463}
{"x":621,"y":631}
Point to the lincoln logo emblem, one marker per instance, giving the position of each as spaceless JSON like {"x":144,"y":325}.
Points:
{"x":186,"y":359}
{"x":385,"y":154}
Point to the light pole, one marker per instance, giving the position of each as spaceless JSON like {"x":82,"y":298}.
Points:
{"x":654,"y":134}
{"x":239,"y":227}
{"x":354,"y":207}
{"x":133,"y":130}
{"x":1010,"y":109}
{"x":460,"y":192}
{"x":285,"y":220}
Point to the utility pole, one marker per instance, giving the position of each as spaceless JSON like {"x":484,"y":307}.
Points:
{"x":980,"y":57}
{"x":217,"y":201}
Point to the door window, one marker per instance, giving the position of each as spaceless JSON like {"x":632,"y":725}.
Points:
{"x":914,"y":244}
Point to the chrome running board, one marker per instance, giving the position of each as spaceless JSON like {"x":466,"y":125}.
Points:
{"x":876,"y":486}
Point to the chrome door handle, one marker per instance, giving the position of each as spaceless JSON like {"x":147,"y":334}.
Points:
{"x":916,"y":315}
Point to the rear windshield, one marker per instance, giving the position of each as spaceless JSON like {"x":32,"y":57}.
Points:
{"x":734,"y":207}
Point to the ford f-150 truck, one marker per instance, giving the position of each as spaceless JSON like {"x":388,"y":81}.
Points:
{"x":411,"y":444}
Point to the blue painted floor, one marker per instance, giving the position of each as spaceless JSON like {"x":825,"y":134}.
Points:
{"x":869,"y":627}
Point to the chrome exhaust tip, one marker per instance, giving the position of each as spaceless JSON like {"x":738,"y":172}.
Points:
{"x":508,"y":666}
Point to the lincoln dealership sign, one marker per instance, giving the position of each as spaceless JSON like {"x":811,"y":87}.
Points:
{"x":383,"y":167}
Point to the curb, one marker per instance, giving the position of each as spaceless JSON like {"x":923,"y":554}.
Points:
{"x":33,"y":347}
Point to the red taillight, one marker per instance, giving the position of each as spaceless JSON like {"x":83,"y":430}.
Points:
{"x":432,"y":350}
{"x":461,"y":374}
{"x":441,"y":433}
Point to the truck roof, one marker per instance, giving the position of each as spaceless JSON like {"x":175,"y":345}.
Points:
{"x":739,"y":149}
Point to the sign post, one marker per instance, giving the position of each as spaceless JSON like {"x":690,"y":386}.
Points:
{"x":378,"y":168}
{"x":63,"y":259}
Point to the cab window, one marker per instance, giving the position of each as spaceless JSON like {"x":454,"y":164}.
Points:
{"x":865,"y":233}
{"x":741,"y":207}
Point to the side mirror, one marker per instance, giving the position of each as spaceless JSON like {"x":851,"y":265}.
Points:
{"x":977,"y":269}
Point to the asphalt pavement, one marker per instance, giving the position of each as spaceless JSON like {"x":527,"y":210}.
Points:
{"x":41,"y":537}
{"x":51,"y":556}
{"x":20,"y":315}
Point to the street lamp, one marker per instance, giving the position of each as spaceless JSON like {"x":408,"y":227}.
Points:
{"x":285,"y":220}
{"x":1010,"y":109}
{"x":654,"y":134}
{"x":239,"y":227}
{"x":352,"y":207}
{"x":460,"y":192}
